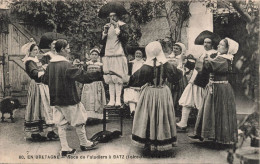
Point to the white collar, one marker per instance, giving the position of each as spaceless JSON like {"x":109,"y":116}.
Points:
{"x":134,"y":61}
{"x":209,"y":52}
{"x":35,"y":59}
{"x":50,"y":53}
{"x":58,"y":58}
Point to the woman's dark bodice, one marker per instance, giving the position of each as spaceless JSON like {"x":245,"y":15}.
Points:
{"x":155,"y":75}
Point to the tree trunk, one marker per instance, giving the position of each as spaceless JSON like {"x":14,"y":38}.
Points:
{"x":177,"y":12}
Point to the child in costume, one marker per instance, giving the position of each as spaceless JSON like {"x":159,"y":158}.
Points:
{"x":131,"y":95}
{"x":93,"y":94}
{"x":177,"y":58}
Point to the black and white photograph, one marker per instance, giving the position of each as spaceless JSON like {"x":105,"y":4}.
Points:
{"x":129,"y":81}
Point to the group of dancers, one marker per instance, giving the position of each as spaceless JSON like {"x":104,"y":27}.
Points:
{"x":154,"y":88}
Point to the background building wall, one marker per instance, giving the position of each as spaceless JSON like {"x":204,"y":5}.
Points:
{"x":201,"y":19}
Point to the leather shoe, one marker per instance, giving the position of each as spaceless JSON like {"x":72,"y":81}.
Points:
{"x":196,"y":137}
{"x":86,"y":148}
{"x":52,"y":135}
{"x":38,"y":137}
{"x":65,"y":153}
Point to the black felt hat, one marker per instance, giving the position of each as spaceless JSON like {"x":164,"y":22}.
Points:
{"x":48,"y":37}
{"x":207,"y":34}
{"x":110,"y":7}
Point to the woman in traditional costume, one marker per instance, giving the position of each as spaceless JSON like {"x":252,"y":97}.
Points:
{"x":177,"y":58}
{"x":217,"y":119}
{"x":93,"y":94}
{"x":39,"y":114}
{"x":154,"y":122}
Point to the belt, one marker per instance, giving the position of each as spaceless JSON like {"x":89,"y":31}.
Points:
{"x":218,"y":82}
{"x":113,"y":73}
{"x":211,"y":86}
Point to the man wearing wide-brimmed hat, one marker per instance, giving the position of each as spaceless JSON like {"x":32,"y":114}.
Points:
{"x":114,"y":39}
{"x":192,"y":95}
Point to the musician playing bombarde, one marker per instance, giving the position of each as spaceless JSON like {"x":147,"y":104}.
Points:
{"x":114,"y":39}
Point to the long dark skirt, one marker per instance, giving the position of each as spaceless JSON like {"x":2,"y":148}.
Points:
{"x":39,"y":113}
{"x":217,"y":119}
{"x":154,"y":122}
{"x":176,"y":91}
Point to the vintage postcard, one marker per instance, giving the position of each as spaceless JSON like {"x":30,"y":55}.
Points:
{"x":136,"y":81}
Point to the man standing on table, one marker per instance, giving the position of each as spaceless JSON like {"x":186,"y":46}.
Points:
{"x":60,"y":76}
{"x":114,"y":39}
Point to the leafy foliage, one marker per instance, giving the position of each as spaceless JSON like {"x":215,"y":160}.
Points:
{"x":142,"y":11}
{"x":249,"y":6}
{"x":76,"y":19}
{"x":135,"y":33}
